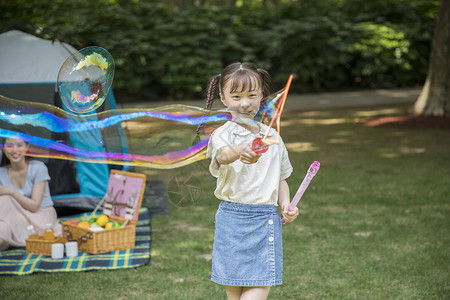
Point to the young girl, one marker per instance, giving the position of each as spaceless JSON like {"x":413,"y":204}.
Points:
{"x":247,"y":250}
{"x":24,"y":195}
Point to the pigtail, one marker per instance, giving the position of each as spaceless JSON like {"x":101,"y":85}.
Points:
{"x":265,"y":81}
{"x":210,"y":96}
{"x":211,"y":92}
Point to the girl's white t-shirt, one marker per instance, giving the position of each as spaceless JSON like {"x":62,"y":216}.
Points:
{"x":248,"y":183}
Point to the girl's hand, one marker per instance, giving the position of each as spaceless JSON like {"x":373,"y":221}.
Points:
{"x":248,"y":156}
{"x":289,"y":216}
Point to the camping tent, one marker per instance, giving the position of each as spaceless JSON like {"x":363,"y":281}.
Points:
{"x":29,"y":68}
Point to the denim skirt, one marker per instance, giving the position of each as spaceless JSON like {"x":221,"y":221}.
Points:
{"x":247,"y":248}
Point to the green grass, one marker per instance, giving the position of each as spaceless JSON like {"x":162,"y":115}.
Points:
{"x":374,"y":222}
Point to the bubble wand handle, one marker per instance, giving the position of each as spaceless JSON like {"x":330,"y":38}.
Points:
{"x":312,"y":171}
{"x":260,"y":145}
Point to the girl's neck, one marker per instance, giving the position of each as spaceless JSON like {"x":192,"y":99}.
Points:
{"x":254,"y":128}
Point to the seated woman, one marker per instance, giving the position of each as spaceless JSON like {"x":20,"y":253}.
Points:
{"x":24,"y":195}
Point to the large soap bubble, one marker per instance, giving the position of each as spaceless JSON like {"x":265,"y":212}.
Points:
{"x":85,"y":79}
{"x":160,"y":138}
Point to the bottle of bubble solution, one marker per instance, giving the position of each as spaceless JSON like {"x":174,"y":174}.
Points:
{"x":49,"y":235}
{"x":32,"y":235}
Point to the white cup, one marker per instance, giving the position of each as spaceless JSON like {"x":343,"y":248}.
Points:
{"x":57,"y":250}
{"x":71,"y":249}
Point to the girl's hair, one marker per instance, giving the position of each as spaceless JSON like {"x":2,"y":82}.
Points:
{"x":240,"y":75}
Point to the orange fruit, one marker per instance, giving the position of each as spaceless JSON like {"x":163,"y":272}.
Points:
{"x":108,"y":225}
{"x":84,"y":224}
{"x":102,"y":220}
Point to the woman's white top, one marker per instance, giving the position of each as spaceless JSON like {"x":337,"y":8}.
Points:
{"x":37,"y":171}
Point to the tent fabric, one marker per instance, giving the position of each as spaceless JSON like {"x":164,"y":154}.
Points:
{"x":89,"y":173}
{"x":27,"y":65}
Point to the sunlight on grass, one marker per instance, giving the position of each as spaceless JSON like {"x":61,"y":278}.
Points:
{"x":400,"y":151}
{"x":187,"y":244}
{"x":311,"y":121}
{"x":378,"y":112}
{"x":333,"y":121}
{"x":300,"y":147}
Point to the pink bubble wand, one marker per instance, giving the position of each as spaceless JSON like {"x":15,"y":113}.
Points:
{"x":312,"y":171}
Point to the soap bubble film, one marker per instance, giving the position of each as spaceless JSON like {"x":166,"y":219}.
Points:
{"x":160,"y":138}
{"x":85,"y":79}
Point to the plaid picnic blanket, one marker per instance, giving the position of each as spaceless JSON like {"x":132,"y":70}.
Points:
{"x":17,"y":262}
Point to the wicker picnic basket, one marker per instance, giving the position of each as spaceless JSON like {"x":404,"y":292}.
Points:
{"x":41,"y":246}
{"x":112,"y":239}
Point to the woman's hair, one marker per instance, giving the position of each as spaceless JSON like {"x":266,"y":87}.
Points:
{"x":4,"y":160}
{"x":240,"y":75}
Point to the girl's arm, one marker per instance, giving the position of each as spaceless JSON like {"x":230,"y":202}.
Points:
{"x":228,"y":154}
{"x":284,"y":200}
{"x":32,"y":204}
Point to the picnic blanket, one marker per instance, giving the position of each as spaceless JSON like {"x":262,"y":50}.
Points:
{"x":16,"y":261}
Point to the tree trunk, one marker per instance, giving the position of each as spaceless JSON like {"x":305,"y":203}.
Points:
{"x":434,"y":100}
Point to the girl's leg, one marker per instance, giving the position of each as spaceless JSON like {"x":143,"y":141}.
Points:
{"x":247,"y":293}
{"x":233,"y":292}
{"x":255,"y":293}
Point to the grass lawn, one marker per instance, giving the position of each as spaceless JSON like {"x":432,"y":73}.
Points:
{"x":374,"y":222}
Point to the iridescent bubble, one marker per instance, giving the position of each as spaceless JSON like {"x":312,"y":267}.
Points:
{"x":85,"y":79}
{"x":160,"y":138}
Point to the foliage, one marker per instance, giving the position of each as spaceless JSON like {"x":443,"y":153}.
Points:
{"x":376,"y":44}
{"x":171,"y":52}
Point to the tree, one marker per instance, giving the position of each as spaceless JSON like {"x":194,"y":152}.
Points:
{"x":434,"y":100}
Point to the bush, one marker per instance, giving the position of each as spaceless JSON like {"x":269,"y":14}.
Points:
{"x":164,"y":53}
